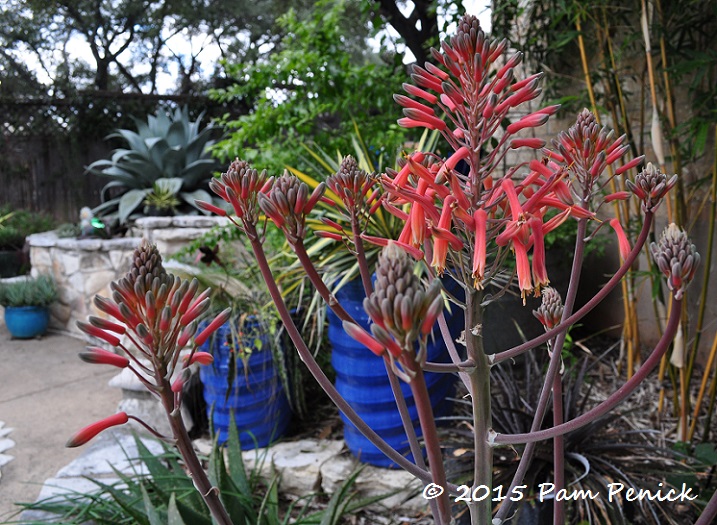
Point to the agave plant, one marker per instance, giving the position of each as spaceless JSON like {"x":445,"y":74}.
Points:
{"x":163,"y":195}
{"x":166,"y":146}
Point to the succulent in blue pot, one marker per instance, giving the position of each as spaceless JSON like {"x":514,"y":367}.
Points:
{"x":27,"y":302}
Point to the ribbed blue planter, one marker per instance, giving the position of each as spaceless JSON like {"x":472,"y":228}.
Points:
{"x":26,"y":322}
{"x":256,"y":397}
{"x":361,"y":379}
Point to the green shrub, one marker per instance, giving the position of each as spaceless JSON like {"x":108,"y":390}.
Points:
{"x":39,"y":291}
{"x":166,"y":494}
{"x":11,"y":238}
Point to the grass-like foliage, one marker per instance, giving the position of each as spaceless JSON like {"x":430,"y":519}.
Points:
{"x":163,"y":493}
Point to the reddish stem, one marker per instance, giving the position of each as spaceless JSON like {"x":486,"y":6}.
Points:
{"x":611,"y":402}
{"x":592,"y":303}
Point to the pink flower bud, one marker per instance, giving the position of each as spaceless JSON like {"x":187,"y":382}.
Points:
{"x":202,"y":358}
{"x":420,"y":93}
{"x":210,"y":208}
{"x":527,"y":143}
{"x":90,"y":431}
{"x":363,"y":337}
{"x":178,"y":384}
{"x":186,"y":333}
{"x":104,"y":324}
{"x":209,"y":330}
{"x":529,"y":121}
{"x":99,"y":356}
{"x":99,"y":333}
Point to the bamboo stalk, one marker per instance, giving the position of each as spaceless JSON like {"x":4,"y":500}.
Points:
{"x":707,"y":261}
{"x":710,"y":408}
{"x":703,"y":387}
{"x":703,"y":299}
{"x":680,"y":208}
{"x":629,"y":336}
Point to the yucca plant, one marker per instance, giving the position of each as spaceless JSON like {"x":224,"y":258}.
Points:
{"x":337,"y":261}
{"x":166,"y":146}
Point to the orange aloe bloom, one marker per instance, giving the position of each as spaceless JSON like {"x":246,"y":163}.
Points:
{"x":480,"y":218}
{"x":441,"y":236}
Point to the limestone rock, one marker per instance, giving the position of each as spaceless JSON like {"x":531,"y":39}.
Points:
{"x":300,"y":463}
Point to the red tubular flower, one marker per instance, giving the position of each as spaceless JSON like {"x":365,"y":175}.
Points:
{"x":195,"y":311}
{"x":209,"y":330}
{"x":480,"y":218}
{"x":622,"y":241}
{"x":441,"y":243}
{"x":90,"y":431}
{"x":99,"y":356}
{"x":533,"y":120}
{"x":522,"y":266}
{"x":617,"y":196}
{"x":540,"y":272}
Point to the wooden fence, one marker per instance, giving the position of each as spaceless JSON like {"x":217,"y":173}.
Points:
{"x":46,"y":145}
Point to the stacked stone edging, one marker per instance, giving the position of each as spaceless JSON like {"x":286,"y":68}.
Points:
{"x":84,"y":268}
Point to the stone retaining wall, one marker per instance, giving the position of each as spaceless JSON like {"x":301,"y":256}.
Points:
{"x":83,"y":268}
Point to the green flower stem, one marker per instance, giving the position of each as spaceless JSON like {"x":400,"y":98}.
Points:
{"x":480,"y":511}
{"x":209,"y":493}
{"x":592,"y":303}
{"x":613,"y":400}
{"x":308,"y":359}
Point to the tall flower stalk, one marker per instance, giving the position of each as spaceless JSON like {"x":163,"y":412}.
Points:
{"x":465,"y":218}
{"x":151,"y":317}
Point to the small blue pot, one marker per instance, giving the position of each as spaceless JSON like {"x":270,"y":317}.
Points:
{"x":26,"y":322}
